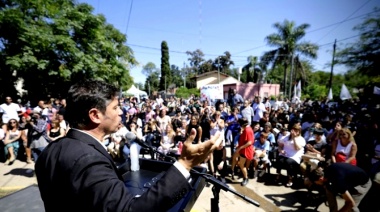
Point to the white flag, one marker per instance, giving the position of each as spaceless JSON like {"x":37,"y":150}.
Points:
{"x":299,"y":90}
{"x":344,"y":93}
{"x":330,"y":96}
{"x":376,"y":90}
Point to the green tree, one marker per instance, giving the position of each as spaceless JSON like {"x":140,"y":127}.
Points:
{"x":206,"y":66}
{"x":165,"y":79}
{"x":287,"y":43}
{"x":152,"y":82}
{"x":254,"y":71}
{"x":196,"y":59}
{"x":148,"y":69}
{"x":223,"y":63}
{"x":364,"y":55}
{"x":52,"y":44}
{"x":176,"y":76}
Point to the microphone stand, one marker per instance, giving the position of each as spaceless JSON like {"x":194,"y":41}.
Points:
{"x":217,"y":184}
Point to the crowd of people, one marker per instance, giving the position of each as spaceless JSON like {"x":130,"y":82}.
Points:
{"x":308,"y":139}
{"x":28,"y":130}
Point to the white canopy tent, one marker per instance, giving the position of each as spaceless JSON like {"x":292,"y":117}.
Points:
{"x":133,"y":91}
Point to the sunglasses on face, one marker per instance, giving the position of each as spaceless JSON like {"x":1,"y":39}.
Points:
{"x":12,"y":122}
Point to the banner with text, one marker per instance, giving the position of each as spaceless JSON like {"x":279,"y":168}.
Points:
{"x":211,"y":93}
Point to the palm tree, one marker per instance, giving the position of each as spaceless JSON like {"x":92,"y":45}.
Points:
{"x":252,"y":64}
{"x":287,"y":43}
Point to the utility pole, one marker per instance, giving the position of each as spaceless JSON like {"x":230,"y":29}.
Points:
{"x":149,"y":87}
{"x":185,"y":74}
{"x":332,"y":64}
{"x":291,"y":77}
{"x":218,"y":71}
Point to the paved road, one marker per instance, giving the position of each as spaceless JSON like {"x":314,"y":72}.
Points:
{"x":271,"y":197}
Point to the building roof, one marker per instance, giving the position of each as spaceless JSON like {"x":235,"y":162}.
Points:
{"x":211,"y":72}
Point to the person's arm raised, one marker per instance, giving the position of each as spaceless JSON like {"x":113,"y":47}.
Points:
{"x":194,"y":154}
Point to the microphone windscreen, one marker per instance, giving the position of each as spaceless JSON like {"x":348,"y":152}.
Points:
{"x":130,"y":136}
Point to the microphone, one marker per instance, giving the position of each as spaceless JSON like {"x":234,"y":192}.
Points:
{"x":130,"y":136}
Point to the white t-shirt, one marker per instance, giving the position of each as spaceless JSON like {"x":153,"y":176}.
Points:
{"x":10,"y":111}
{"x":289,"y":149}
{"x":259,"y":109}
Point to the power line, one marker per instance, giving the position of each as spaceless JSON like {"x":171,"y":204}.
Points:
{"x":321,"y":28}
{"x":129,"y":17}
{"x":215,"y":55}
{"x":340,"y":22}
{"x":344,"y":20}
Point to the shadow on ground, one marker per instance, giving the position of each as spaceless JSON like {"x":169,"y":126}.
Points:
{"x":22,"y":172}
{"x":299,"y":200}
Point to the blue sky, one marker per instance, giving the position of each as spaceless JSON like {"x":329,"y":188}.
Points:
{"x":237,"y":26}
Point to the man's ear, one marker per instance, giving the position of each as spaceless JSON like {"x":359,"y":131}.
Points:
{"x":95,"y":115}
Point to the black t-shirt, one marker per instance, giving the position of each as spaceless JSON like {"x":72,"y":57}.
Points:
{"x":344,"y":177}
{"x":318,"y":146}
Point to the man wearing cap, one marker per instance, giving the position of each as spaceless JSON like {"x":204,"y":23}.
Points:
{"x":37,"y":135}
{"x":316,"y":146}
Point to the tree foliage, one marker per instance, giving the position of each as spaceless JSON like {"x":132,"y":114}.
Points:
{"x":165,"y":79}
{"x":148,"y":69}
{"x":51,"y":44}
{"x":364,"y":55}
{"x":196,"y":59}
{"x":287,"y":43}
{"x":223,"y":63}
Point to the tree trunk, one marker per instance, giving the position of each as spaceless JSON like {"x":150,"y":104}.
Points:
{"x":285,"y":74}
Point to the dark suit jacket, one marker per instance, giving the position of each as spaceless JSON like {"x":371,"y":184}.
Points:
{"x":76,"y":173}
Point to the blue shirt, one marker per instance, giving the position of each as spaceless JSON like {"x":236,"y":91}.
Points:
{"x":233,"y":125}
{"x":265,"y":147}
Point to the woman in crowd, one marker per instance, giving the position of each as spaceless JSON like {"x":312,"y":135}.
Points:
{"x":55,"y":131}
{"x":163,"y":119}
{"x":117,"y":141}
{"x":332,"y":137}
{"x":149,"y":114}
{"x":194,"y":124}
{"x":244,"y":150}
{"x":152,"y":135}
{"x":217,"y":125}
{"x":167,"y":140}
{"x":132,"y":149}
{"x":204,"y":123}
{"x":344,"y":149}
{"x":291,"y":149}
{"x":233,"y":128}
{"x":11,"y":141}
{"x":256,"y":130}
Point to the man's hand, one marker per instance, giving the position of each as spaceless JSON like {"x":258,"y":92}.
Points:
{"x":194,"y":154}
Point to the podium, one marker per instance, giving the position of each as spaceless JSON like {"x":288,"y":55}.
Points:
{"x":151,"y":171}
{"x":29,"y":199}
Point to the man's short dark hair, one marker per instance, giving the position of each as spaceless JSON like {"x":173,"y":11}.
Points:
{"x":316,"y":174}
{"x":84,"y":96}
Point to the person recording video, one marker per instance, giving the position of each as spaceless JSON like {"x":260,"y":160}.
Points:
{"x":37,"y":133}
{"x":75,"y":173}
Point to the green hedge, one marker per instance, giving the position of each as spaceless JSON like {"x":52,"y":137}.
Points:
{"x":186,"y":92}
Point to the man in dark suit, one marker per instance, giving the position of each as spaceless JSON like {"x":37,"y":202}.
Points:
{"x":76,"y":173}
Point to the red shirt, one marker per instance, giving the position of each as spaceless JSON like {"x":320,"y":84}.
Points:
{"x":246,"y":136}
